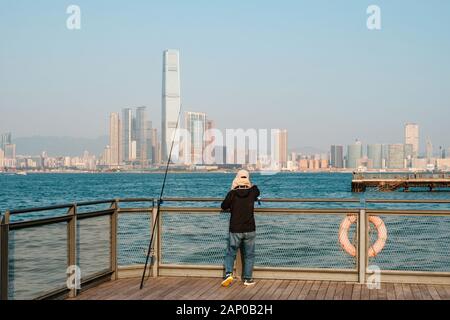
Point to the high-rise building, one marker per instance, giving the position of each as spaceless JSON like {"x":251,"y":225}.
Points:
{"x":127,"y":133}
{"x":5,"y":139}
{"x":412,"y":138}
{"x":337,"y":156}
{"x":2,"y":158}
{"x":354,"y":155}
{"x":429,"y":150}
{"x":148,"y":144}
{"x":171,"y":99}
{"x":156,"y":147}
{"x":396,"y":156}
{"x":195,"y":124}
{"x":115,"y":139}
{"x":375,"y":155}
{"x":280,"y":148}
{"x":141,"y":135}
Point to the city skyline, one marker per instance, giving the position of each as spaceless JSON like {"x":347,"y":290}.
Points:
{"x":339,"y":79}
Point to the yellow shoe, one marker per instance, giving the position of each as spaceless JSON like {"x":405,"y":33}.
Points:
{"x":228,"y":280}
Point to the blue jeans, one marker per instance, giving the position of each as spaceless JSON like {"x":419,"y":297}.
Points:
{"x":245,"y":240}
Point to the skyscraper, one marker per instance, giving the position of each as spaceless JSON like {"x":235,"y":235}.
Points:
{"x":195,"y":124}
{"x":412,"y":137}
{"x":396,"y":156}
{"x":141,"y":135}
{"x":429,"y":150}
{"x":114,"y":139}
{"x":280,"y":148}
{"x":127,"y":130}
{"x":148,"y":143}
{"x":5,"y":139}
{"x":171,"y":100}
{"x":337,"y":156}
{"x":375,"y":154}
{"x":354,"y":155}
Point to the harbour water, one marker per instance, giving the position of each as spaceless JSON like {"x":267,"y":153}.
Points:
{"x":301,"y":241}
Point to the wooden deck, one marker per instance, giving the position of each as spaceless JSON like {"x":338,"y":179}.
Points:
{"x":180,"y":288}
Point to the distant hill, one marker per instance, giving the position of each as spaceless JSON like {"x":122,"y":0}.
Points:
{"x":60,"y":146}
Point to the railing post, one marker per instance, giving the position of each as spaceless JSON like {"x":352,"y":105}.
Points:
{"x":362,"y":245}
{"x":156,"y":256}
{"x":114,"y":226}
{"x":72,"y":245}
{"x":4,"y":259}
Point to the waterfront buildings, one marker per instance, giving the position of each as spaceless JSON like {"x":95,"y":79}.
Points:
{"x":195,"y":124}
{"x":396,"y":156}
{"x":337,"y":157}
{"x":115,"y":158}
{"x":127,"y":134}
{"x":412,"y":138}
{"x":354,"y":155}
{"x":171,"y":99}
{"x":375,"y":156}
{"x":280,"y":148}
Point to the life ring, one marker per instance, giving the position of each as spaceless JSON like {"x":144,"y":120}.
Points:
{"x":374,"y":249}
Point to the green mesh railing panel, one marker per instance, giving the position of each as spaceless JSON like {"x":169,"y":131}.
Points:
{"x":94,"y":245}
{"x":133,"y":238}
{"x":295,"y":241}
{"x":414,"y":243}
{"x":37,"y":260}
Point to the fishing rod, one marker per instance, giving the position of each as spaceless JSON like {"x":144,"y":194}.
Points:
{"x":150,"y":246}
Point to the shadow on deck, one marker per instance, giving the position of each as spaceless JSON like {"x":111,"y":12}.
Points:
{"x":179,"y":288}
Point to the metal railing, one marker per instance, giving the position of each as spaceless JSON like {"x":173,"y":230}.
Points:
{"x":108,"y":240}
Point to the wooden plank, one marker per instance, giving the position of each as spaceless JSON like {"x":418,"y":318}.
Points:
{"x":277,"y":293}
{"x":373,"y":294}
{"x":398,"y":291}
{"x":407,"y":292}
{"x":442,"y":292}
{"x":269,"y":293}
{"x":305,"y":290}
{"x":425,"y":293}
{"x":339,"y":291}
{"x":356,"y":294}
{"x":296,"y":291}
{"x":382,"y":292}
{"x":179,"y":291}
{"x":266,"y":285}
{"x":416,"y":292}
{"x":209,"y":287}
{"x":322,"y":290}
{"x":313,"y":291}
{"x":390,"y":291}
{"x":232,"y":291}
{"x":433,"y":292}
{"x":287,"y":292}
{"x":365,"y":292}
{"x":331,"y":290}
{"x":248,"y":292}
{"x":348,"y":289}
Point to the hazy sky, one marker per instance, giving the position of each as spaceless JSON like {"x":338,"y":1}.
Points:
{"x":312,"y":67}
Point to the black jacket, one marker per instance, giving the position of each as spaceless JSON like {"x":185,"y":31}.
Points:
{"x":241,"y":203}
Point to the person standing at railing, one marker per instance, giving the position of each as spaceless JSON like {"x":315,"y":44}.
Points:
{"x":242,"y":232}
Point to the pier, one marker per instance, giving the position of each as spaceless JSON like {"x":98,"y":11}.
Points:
{"x":305,"y":262}
{"x":387,"y":182}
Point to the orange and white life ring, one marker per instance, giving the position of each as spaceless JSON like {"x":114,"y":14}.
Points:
{"x":374,"y":249}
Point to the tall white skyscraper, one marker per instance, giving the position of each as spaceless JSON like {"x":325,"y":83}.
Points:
{"x":171,"y":100}
{"x":195,"y":124}
{"x":141,"y":135}
{"x":412,"y":137}
{"x":115,"y":139}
